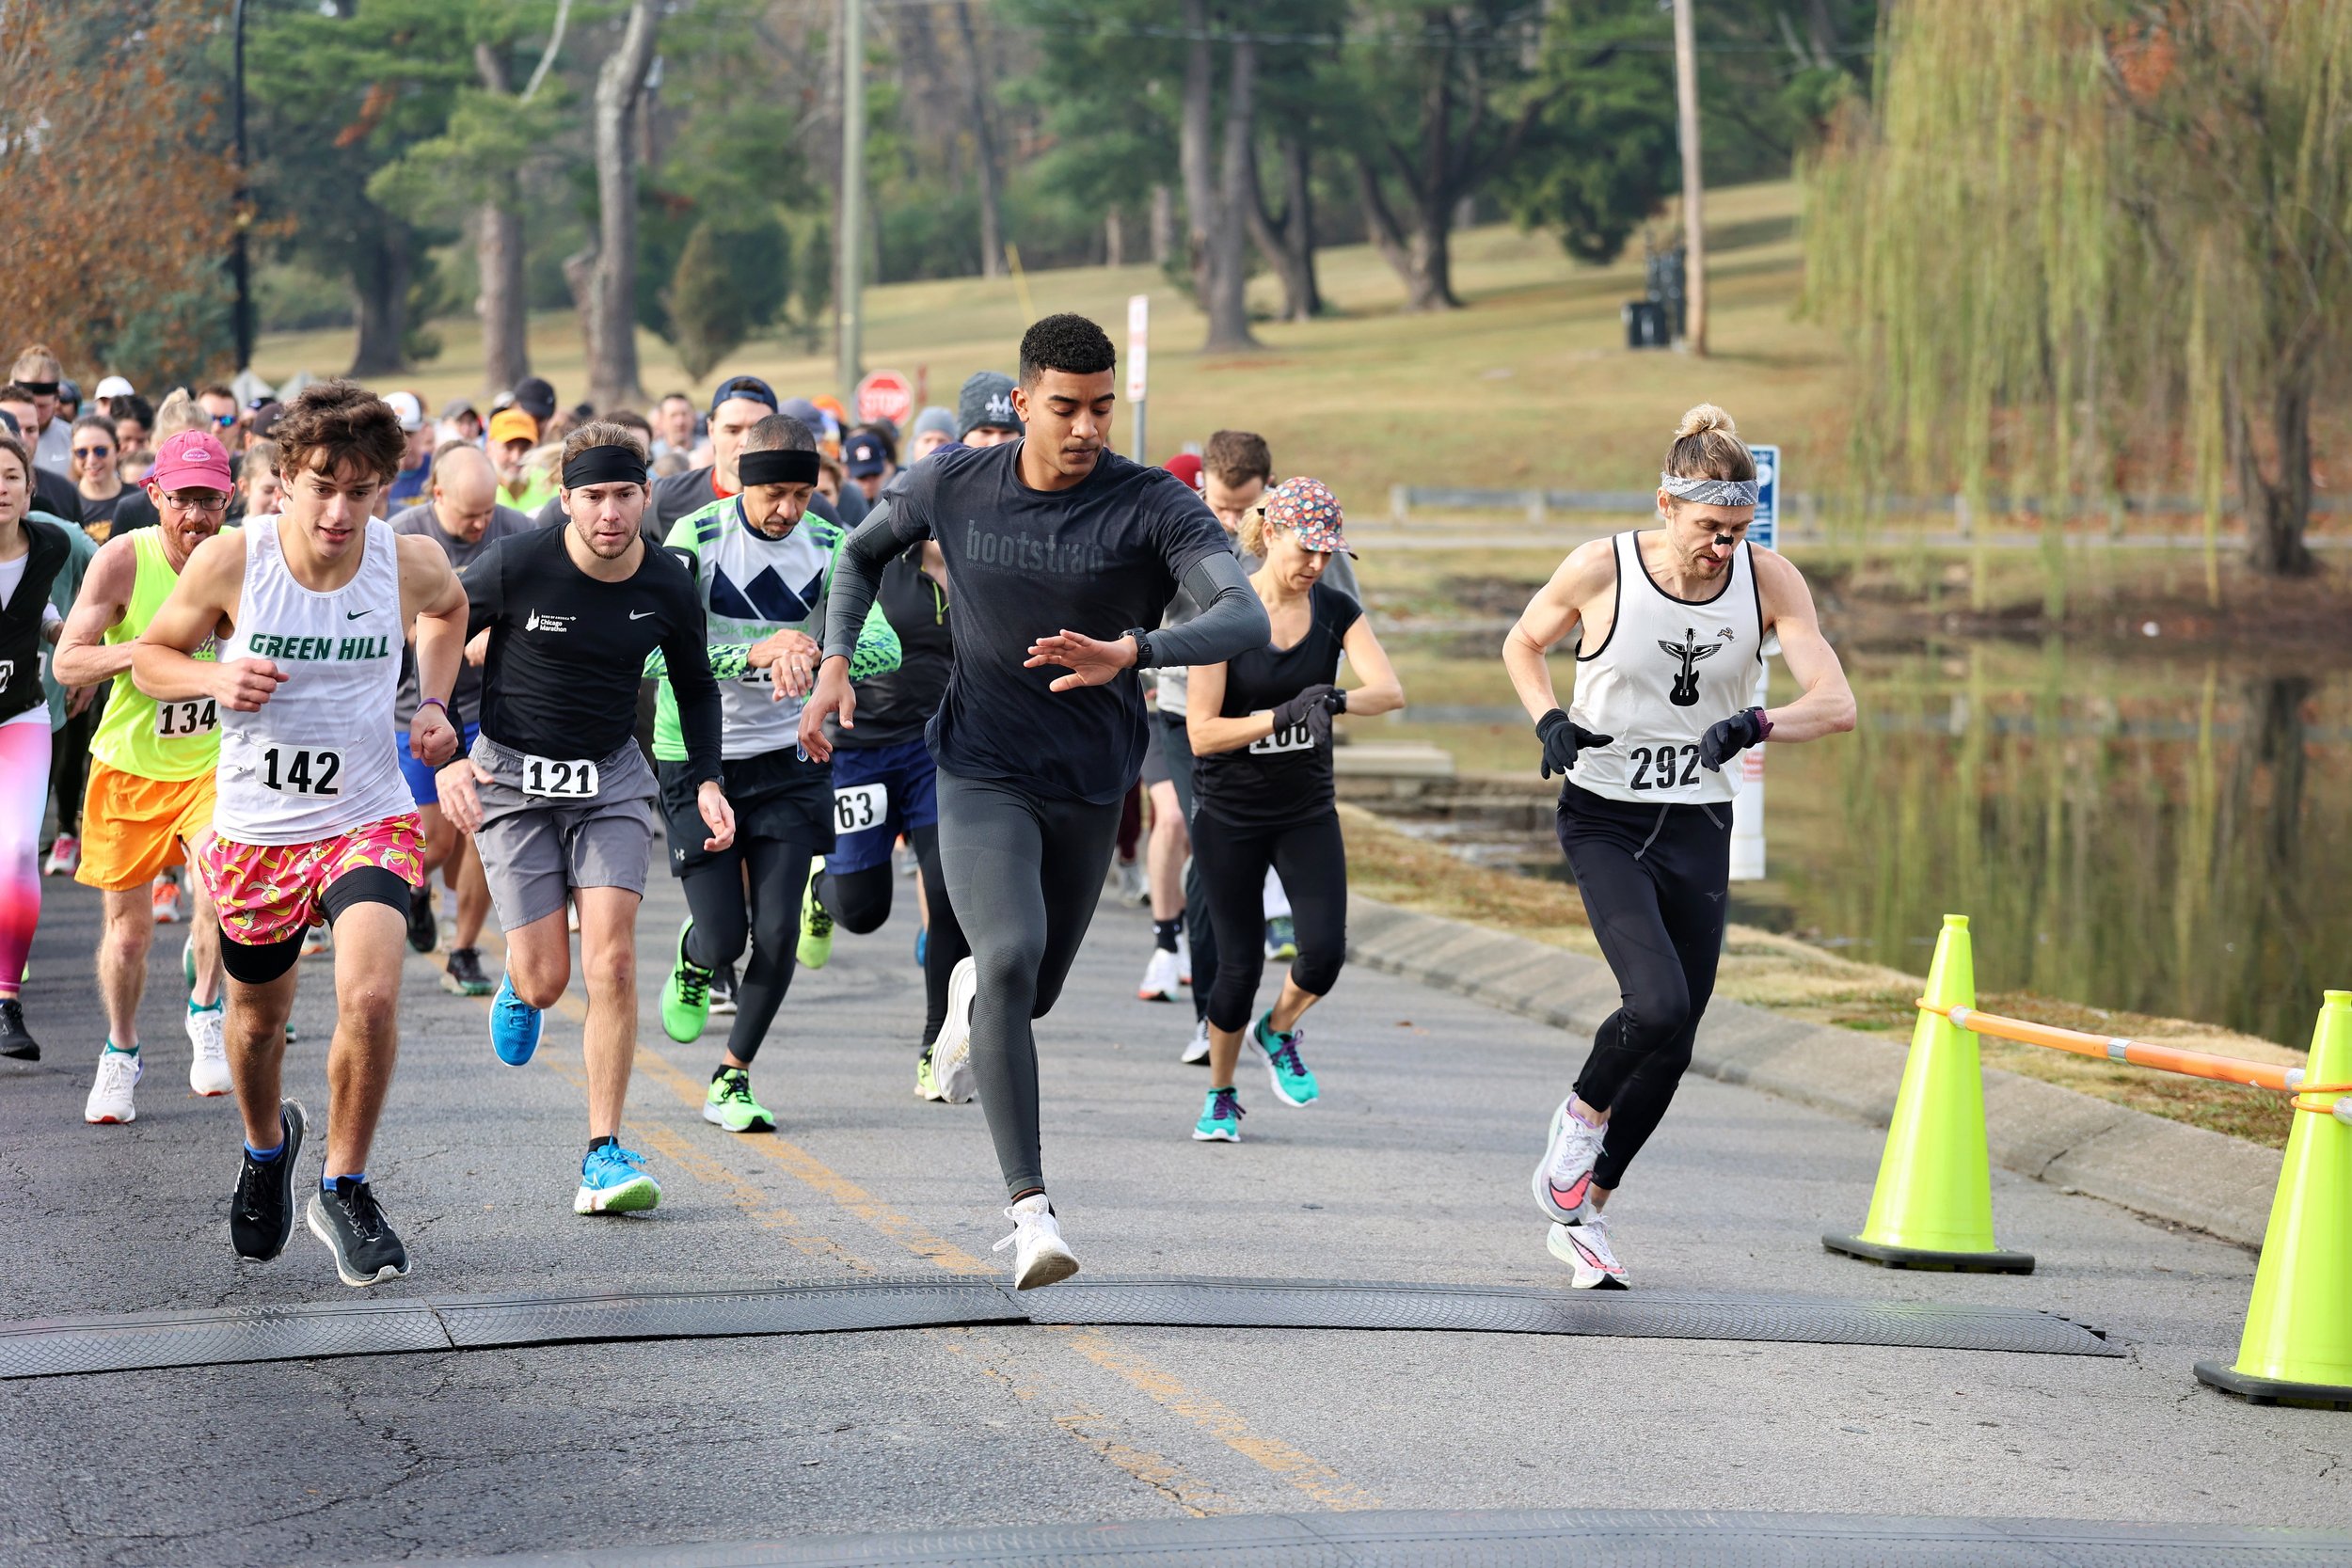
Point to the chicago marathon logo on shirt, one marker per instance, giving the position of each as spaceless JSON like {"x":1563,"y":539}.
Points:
{"x":542,"y":622}
{"x":1012,"y":552}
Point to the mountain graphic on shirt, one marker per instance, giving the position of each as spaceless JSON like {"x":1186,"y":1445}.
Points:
{"x":765,"y":598}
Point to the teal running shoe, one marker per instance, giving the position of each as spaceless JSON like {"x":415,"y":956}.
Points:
{"x":613,"y":1180}
{"x":728,"y":1103}
{"x":187,"y":965}
{"x":1220,"y":1119}
{"x":1292,"y":1084}
{"x":686,"y":995}
{"x":514,"y":1026}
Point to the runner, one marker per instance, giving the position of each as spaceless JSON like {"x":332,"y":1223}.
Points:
{"x":1676,"y":618}
{"x":885,"y":788}
{"x":150,"y":802}
{"x":33,"y":551}
{"x":1039,"y":536}
{"x":761,"y":567}
{"x":312,"y":817}
{"x":555,"y":791}
{"x":1261,"y":733}
{"x":463,"y":517}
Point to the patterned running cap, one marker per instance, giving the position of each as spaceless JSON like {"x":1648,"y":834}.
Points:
{"x":1307,"y":508}
{"x":1710,"y":492}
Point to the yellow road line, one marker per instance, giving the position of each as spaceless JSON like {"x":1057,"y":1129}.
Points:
{"x":1292,"y":1467}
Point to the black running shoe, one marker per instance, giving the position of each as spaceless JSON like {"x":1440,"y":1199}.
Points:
{"x":463,"y":975}
{"x":15,"y":1039}
{"x":261,"y":1216}
{"x":356,"y":1230}
{"x":424,"y":932}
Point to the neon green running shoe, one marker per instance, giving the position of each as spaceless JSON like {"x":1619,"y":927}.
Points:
{"x":728,"y":1103}
{"x":816,"y":922}
{"x":685,"y":995}
{"x":926,"y":1082}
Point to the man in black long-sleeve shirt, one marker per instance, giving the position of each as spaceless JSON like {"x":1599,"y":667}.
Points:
{"x":557,"y":797}
{"x":1047,"y":534}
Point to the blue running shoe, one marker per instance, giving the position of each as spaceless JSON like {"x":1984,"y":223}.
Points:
{"x":613,"y":1180}
{"x":514,"y":1027}
{"x":1292,"y":1084}
{"x":1220,"y":1119}
{"x":922,"y":947}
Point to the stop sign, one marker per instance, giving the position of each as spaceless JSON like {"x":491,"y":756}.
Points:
{"x":886,"y":395}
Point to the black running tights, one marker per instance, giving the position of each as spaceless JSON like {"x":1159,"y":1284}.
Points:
{"x":715,"y":897}
{"x":860,"y":902}
{"x":1311,"y":859}
{"x":1654,"y":880}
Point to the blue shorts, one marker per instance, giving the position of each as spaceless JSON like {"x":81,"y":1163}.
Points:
{"x":422,"y":787}
{"x":910,"y":779}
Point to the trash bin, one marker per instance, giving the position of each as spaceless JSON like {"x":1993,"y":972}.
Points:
{"x":1645,"y":325}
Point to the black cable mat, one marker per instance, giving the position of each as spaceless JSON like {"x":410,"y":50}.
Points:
{"x":379,"y":1325}
{"x":1513,"y":1538}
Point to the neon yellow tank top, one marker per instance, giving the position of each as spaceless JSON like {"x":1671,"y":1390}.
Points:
{"x":169,"y":742}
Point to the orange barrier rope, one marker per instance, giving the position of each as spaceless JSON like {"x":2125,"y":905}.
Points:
{"x":2164,"y":1058}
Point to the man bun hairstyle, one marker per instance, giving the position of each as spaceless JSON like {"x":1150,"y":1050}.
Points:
{"x":1238,"y":456}
{"x":329,"y":424}
{"x":780,"y":433}
{"x":1707,"y":445}
{"x":1066,"y":342}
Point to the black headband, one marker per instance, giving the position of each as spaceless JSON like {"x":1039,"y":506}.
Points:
{"x":777,"y":467}
{"x":39,"y":388}
{"x":604,"y":466}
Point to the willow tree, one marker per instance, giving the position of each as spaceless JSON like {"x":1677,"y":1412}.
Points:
{"x":2093,"y":244}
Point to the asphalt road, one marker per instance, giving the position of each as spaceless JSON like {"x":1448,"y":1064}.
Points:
{"x":1414,"y":1167}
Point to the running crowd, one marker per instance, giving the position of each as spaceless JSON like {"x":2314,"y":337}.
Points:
{"x":292,"y":662}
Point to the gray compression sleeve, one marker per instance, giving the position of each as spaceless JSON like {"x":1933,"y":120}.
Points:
{"x":857,"y":574}
{"x":1231,"y":621}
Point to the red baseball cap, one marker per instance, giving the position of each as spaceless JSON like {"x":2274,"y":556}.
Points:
{"x":1186,"y":466}
{"x":192,"y":459}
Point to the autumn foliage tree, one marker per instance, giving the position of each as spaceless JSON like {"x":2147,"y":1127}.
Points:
{"x":119,"y":186}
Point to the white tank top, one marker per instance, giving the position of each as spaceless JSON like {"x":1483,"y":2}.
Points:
{"x":1668,"y":670}
{"x":318,"y":759}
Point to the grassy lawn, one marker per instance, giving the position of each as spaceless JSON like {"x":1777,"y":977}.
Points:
{"x":1793,"y":977}
{"x":1530,"y":385}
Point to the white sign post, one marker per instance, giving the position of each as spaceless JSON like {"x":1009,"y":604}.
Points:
{"x":1138,"y":353}
{"x":1747,"y":815}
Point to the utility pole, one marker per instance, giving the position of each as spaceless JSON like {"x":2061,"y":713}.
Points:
{"x":1693,"y":188}
{"x":240,"y":263}
{"x":852,"y":234}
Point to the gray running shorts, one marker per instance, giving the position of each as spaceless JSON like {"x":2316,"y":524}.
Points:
{"x":536,"y":848}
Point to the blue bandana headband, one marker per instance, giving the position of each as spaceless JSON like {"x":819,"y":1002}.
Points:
{"x":1710,"y":492}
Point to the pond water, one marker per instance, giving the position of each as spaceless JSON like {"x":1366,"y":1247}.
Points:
{"x":2126,"y":827}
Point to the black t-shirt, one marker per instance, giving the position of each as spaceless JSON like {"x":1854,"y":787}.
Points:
{"x":1285,"y":777}
{"x":895,"y":708}
{"x":465,"y":697}
{"x":98,"y":517}
{"x":1098,"y":558}
{"x":58,"y":495}
{"x":566,"y":651}
{"x":132,"y":509}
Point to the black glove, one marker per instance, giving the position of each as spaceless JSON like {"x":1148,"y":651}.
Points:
{"x":1310,"y":709}
{"x":1730,"y":737}
{"x":1563,"y":739}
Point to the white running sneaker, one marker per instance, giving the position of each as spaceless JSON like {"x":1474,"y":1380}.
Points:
{"x":1040,"y":1255}
{"x":1584,"y":1247}
{"x":208,"y":1071}
{"x":1563,"y":1178}
{"x":1196,"y":1049}
{"x":1184,"y":959}
{"x":951,"y":1054}
{"x":1133,"y":886}
{"x":110,"y":1096}
{"x":1160,"y":977}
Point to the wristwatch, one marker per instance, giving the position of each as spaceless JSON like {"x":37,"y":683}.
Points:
{"x":1143,"y":648}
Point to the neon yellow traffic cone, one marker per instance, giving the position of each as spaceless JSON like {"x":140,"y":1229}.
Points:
{"x":1932,"y":1208}
{"x":2298,"y":1348}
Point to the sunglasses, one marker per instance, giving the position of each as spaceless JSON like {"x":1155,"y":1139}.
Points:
{"x":223,"y":421}
{"x":89,"y":453}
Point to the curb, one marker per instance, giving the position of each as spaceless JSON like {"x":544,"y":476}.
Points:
{"x":2167,"y":1170}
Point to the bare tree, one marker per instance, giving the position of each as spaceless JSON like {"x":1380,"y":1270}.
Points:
{"x":1287,"y":238}
{"x":604,"y":276}
{"x":1216,"y":193}
{"x":983,"y":146}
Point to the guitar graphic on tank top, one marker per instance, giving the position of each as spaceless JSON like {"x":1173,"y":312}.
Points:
{"x":1687,"y":652}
